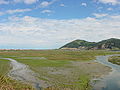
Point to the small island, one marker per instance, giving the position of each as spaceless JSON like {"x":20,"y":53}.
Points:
{"x":114,"y":60}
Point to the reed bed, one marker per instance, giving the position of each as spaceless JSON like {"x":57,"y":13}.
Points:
{"x":8,"y":84}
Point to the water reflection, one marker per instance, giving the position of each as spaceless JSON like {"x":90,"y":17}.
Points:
{"x":111,"y":81}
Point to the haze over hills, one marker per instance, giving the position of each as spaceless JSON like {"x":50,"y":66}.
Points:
{"x":112,"y":44}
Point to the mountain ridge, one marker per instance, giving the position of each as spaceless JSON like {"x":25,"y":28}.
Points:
{"x":112,"y":43}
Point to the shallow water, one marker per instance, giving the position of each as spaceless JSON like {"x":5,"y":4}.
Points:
{"x":22,"y":72}
{"x":111,"y":81}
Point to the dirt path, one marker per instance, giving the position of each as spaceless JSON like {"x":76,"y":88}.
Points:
{"x":22,"y":72}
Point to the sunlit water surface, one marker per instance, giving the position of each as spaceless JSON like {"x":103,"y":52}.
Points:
{"x":111,"y":81}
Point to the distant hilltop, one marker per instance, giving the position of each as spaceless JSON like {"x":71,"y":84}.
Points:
{"x":109,"y":44}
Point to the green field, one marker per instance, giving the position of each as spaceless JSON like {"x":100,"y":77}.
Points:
{"x":57,"y":68}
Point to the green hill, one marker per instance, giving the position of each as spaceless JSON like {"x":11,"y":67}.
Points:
{"x":112,"y":43}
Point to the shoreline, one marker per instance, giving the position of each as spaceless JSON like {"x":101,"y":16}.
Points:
{"x":113,"y":77}
{"x":48,"y":76}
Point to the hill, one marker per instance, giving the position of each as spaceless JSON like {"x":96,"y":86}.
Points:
{"x":111,"y":43}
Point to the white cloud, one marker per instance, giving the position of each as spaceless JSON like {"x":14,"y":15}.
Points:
{"x":30,"y":1}
{"x":46,"y":3}
{"x":17,"y":11}
{"x":50,"y":33}
{"x":46,"y":11}
{"x":4,"y":2}
{"x":28,"y":19}
{"x":113,"y":2}
{"x":26,"y":1}
{"x":84,"y":4}
{"x":100,"y":15}
{"x":109,"y":9}
{"x":62,"y":5}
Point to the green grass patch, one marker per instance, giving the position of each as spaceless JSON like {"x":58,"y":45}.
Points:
{"x":43,"y":63}
{"x":4,"y":67}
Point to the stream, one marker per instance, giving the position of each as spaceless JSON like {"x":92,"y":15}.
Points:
{"x":111,"y":81}
{"x":22,"y":72}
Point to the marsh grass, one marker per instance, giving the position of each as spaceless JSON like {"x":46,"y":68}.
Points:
{"x":8,"y":84}
{"x":4,"y":67}
{"x":56,"y":54}
{"x":83,"y":83}
{"x":114,"y":60}
{"x":47,"y":69}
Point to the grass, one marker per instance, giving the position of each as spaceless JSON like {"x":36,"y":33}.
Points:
{"x":56,"y":54}
{"x":4,"y":67}
{"x":55,"y":66}
{"x":43,"y":63}
{"x":81,"y":84}
{"x":114,"y":60}
{"x":7,"y":83}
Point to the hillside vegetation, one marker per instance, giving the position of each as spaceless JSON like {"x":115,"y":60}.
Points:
{"x":112,"y":44}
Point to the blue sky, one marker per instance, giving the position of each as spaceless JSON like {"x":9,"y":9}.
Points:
{"x":48,"y":24}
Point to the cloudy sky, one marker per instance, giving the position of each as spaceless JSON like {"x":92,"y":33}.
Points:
{"x":49,"y":24}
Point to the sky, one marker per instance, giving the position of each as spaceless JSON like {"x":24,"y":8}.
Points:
{"x":49,"y":24}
